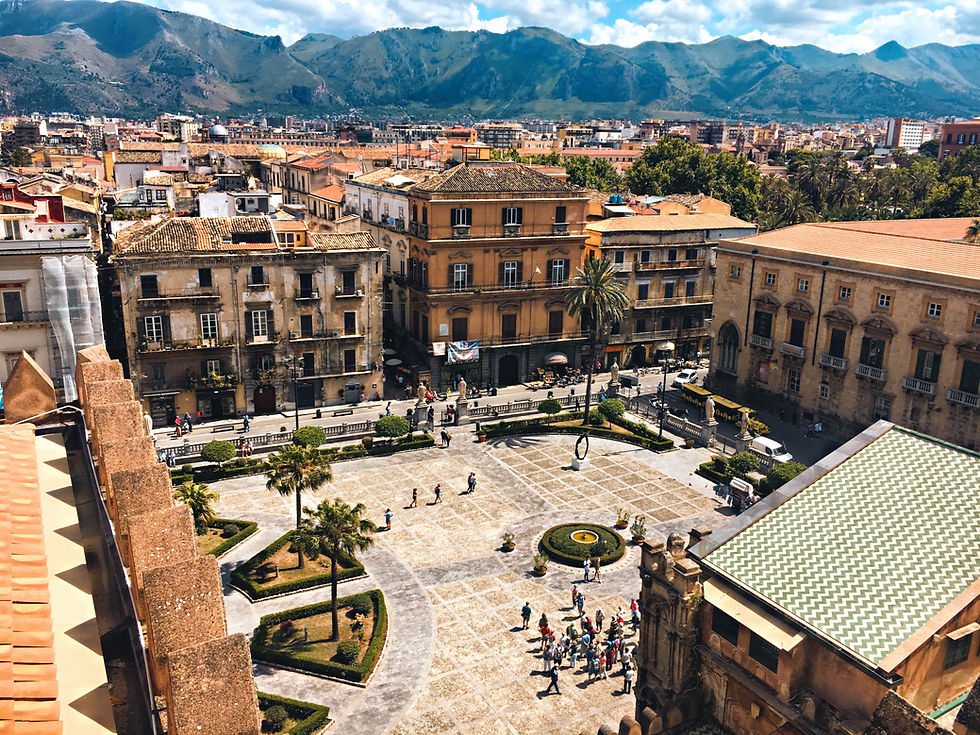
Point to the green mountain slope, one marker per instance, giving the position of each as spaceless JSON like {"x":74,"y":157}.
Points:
{"x":91,"y":56}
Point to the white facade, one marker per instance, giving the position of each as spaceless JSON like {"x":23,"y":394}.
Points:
{"x":905,"y":133}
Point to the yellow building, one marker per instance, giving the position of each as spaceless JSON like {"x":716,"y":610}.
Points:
{"x":667,"y":269}
{"x":214,"y":308}
{"x":850,"y":322}
{"x":491,"y":250}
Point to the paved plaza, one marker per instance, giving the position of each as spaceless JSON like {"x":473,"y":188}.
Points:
{"x":456,"y":660}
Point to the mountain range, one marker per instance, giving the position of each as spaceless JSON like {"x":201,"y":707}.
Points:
{"x":127,"y":58}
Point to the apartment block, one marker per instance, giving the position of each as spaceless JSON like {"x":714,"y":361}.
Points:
{"x":851,"y":322}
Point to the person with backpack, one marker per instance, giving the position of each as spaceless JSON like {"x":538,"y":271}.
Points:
{"x":526,"y":615}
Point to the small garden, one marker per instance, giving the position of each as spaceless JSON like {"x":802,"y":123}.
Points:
{"x":606,"y":421}
{"x":222,"y":534}
{"x":745,"y":466}
{"x":290,"y":716}
{"x":304,"y":638}
{"x":276,"y":571}
{"x":572,"y":543}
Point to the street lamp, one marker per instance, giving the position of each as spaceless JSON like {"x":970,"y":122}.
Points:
{"x":663,"y":347}
{"x":293,"y":365}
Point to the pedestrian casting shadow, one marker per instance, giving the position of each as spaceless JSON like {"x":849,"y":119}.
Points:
{"x":725,"y":510}
{"x":516,"y":441}
{"x":542,"y":695}
{"x":516,"y":629}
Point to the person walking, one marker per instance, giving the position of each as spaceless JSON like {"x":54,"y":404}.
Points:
{"x":580,"y":603}
{"x":432,"y":416}
{"x":572,"y":655}
{"x":388,"y":519}
{"x":627,"y":679}
{"x":596,"y":576}
{"x":599,"y":617}
{"x":574,"y":595}
{"x":548,"y":657}
{"x":246,"y":423}
{"x":526,"y":615}
{"x":415,"y":498}
{"x":602,"y":665}
{"x":444,"y":435}
{"x":554,"y":681}
{"x":438,"y":492}
{"x":471,"y":483}
{"x":388,"y":409}
{"x":449,"y":438}
{"x":587,"y":566}
{"x":180,"y":431}
{"x":187,"y":423}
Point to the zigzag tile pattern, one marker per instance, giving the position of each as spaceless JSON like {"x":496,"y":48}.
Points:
{"x":873,"y":549}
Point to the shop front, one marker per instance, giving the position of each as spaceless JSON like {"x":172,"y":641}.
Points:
{"x":216,"y":404}
{"x":163,"y":410}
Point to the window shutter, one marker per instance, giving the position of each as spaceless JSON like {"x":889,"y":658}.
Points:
{"x":520,"y":270}
{"x":166,"y":327}
{"x":469,"y":274}
{"x":568,"y":268}
{"x":248,"y":325}
{"x":549,"y":269}
{"x":272,"y":324}
{"x":520,"y":215}
{"x":452,"y":278}
{"x":141,"y":327}
{"x":204,"y":368}
{"x":500,"y":272}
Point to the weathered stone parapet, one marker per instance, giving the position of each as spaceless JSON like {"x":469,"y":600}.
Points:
{"x":136,"y":492}
{"x":28,"y":391}
{"x":158,"y":539}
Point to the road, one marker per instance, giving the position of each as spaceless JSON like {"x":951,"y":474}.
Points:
{"x":805,"y":449}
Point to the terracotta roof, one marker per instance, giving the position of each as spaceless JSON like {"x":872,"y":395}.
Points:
{"x":146,"y":145}
{"x":379,"y":176}
{"x":235,"y":150}
{"x":343,"y":241}
{"x":509,"y":179}
{"x":331,"y":193}
{"x":669,"y":223}
{"x":347,"y":167}
{"x":191,"y":234}
{"x":289,"y":225}
{"x":138,"y":157}
{"x":313,"y":163}
{"x":158,"y":179}
{"x":916,"y":245}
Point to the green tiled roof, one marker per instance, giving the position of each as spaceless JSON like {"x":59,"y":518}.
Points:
{"x":872,"y":550}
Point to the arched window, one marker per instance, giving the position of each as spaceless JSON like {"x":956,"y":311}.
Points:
{"x":728,"y":348}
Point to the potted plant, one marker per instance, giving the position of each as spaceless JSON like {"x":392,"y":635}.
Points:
{"x":481,"y":436}
{"x":689,"y":442}
{"x":638,"y":530}
{"x":540,"y":565}
{"x":622,"y":518}
{"x":508,"y":542}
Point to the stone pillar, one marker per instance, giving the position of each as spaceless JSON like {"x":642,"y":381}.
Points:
{"x":462,"y":411}
{"x":708,"y":432}
{"x":28,"y":391}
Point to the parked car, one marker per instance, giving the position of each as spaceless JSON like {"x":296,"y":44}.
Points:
{"x":687,"y":375}
{"x":771,"y":448}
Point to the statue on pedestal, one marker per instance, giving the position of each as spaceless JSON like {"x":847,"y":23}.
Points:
{"x":709,"y":410}
{"x":614,"y":373}
{"x":462,"y":389}
{"x":744,"y":425}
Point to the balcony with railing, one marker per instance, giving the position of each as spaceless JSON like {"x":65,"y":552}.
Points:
{"x":674,"y":301}
{"x":154,"y":299}
{"x":512,"y":229}
{"x":198,"y":343}
{"x":757,"y":340}
{"x":307,"y":294}
{"x":254,"y":340}
{"x":559,"y":228}
{"x":461,"y":232}
{"x":478,"y":288}
{"x":23,"y":317}
{"x":213,"y":380}
{"x":918,"y":385}
{"x":340,"y":292}
{"x":832,"y":361}
{"x":526,"y":339}
{"x":793,"y":350}
{"x":656,"y":265}
{"x":963,"y":398}
{"x":871,"y":372}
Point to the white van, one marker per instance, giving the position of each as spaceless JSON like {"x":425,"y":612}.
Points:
{"x":771,"y":448}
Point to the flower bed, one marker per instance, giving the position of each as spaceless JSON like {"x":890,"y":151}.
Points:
{"x":557,"y":542}
{"x":224,"y":545}
{"x":312,"y":660}
{"x":308,"y":718}
{"x":348,"y":568}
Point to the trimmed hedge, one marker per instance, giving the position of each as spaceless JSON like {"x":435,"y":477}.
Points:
{"x":312,"y":717}
{"x":247,"y":529}
{"x":357,"y":672}
{"x":240,"y":580}
{"x":641,"y":436}
{"x":707,"y":470}
{"x":247,"y":466}
{"x":558,"y":544}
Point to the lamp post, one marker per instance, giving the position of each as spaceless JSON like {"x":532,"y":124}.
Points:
{"x":663,"y":347}
{"x":293,"y":365}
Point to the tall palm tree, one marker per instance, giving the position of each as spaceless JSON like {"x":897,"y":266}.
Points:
{"x":199,"y":498}
{"x":973,"y":231}
{"x":340,"y":528}
{"x":295,"y":469}
{"x":598,"y":299}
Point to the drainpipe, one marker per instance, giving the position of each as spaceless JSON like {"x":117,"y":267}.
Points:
{"x":816,"y":329}
{"x":748,"y":305}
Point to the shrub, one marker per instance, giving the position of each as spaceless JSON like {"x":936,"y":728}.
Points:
{"x":508,"y":540}
{"x":274,"y":719}
{"x":612,"y":408}
{"x":540,"y":562}
{"x":230,"y":530}
{"x":247,"y":529}
{"x":742,"y":463}
{"x":201,"y":528}
{"x":780,"y":474}
{"x":549,"y":406}
{"x":595,"y":418}
{"x":622,"y":517}
{"x":348,"y":651}
{"x":367,"y":442}
{"x":362,"y":606}
{"x":392,"y":426}
{"x":309,"y":436}
{"x":310,"y":718}
{"x":217,"y":451}
{"x":719,"y":464}
{"x":560,"y":546}
{"x":639,"y":528}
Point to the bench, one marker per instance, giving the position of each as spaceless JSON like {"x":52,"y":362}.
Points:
{"x":344,"y":412}
{"x":222,"y":427}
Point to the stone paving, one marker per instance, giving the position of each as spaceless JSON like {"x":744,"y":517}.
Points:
{"x":456,"y":660}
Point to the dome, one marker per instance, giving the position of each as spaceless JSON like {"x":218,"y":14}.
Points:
{"x":271,"y":150}
{"x":218,"y":131}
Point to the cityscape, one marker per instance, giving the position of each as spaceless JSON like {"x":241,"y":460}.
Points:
{"x":412,"y":403}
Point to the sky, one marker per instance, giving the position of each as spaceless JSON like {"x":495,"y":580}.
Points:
{"x":838,"y":25}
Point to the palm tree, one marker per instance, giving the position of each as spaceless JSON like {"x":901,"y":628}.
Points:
{"x":295,"y":469}
{"x":340,"y":528}
{"x":973,"y":232}
{"x":199,"y":498}
{"x":797,"y":208}
{"x":598,"y":299}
